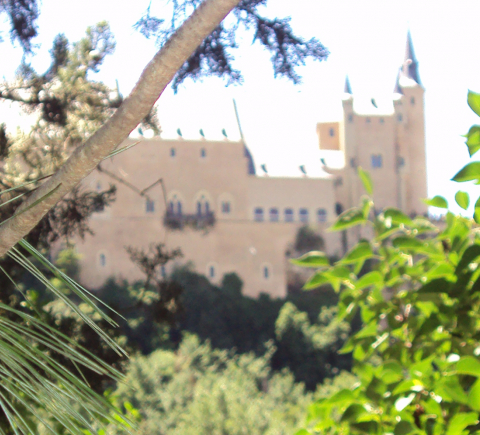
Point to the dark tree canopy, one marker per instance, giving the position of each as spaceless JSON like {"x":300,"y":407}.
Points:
{"x":22,"y":15}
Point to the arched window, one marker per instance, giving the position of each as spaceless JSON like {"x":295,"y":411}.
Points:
{"x":350,"y":117}
{"x":203,"y":206}
{"x":203,"y":153}
{"x":274,"y":214}
{"x":368,"y":120}
{"x":382,"y":121}
{"x":321,"y":215}
{"x":303,"y":215}
{"x":211,"y":271}
{"x":258,"y":214}
{"x":400,"y":117}
{"x":163,"y":271}
{"x":175,"y":205}
{"x":172,"y":152}
{"x":331,"y":132}
{"x":338,"y":209}
{"x":412,"y":101}
{"x":226,"y":207}
{"x":150,"y":206}
{"x":288,"y":214}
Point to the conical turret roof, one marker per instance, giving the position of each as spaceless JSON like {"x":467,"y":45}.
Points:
{"x":410,"y":64}
{"x":348,"y":88}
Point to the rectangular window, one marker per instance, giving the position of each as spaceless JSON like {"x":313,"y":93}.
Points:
{"x":377,"y":161}
{"x":288,"y":215}
{"x":150,"y":206}
{"x":303,"y":215}
{"x":258,"y":214}
{"x":274,"y":215}
{"x":225,"y":207}
{"x":321,"y":215}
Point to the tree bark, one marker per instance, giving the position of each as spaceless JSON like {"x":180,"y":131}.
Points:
{"x":154,"y":79}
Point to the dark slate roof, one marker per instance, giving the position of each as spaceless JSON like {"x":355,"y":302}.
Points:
{"x":348,"y":88}
{"x":250,"y":164}
{"x":410,"y":68}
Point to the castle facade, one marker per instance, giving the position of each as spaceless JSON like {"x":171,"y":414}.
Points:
{"x":226,"y":215}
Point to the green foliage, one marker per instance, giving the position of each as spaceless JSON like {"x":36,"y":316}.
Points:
{"x":309,"y":348}
{"x":199,"y":390}
{"x":462,"y":199}
{"x":437,"y":201}
{"x":307,"y":240}
{"x":366,"y":180}
{"x":416,"y":356}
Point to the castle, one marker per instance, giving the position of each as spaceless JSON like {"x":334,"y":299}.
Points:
{"x":245,"y":219}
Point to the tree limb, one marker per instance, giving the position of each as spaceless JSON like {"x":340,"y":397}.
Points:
{"x":154,"y":79}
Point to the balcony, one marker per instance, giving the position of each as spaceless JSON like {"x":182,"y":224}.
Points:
{"x":176,"y":221}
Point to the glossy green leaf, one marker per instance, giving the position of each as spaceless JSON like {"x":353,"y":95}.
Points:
{"x":311,"y":259}
{"x":408,"y":385}
{"x":366,"y":180}
{"x":403,"y":428}
{"x":473,"y":100}
{"x":361,"y":251}
{"x":367,"y":427}
{"x":473,"y":139}
{"x":450,"y":390}
{"x":439,"y":285}
{"x":397,"y":216}
{"x":367,"y":331}
{"x":460,"y":421}
{"x":354,"y":411}
{"x":462,"y":199}
{"x":315,"y":281}
{"x":440,"y":271}
{"x":348,"y":219}
{"x":468,"y":365}
{"x":437,"y":201}
{"x":470,"y":254}
{"x":342,"y":396}
{"x":469,"y":172}
{"x":474,"y":396}
{"x":369,"y":279}
{"x":367,"y":205}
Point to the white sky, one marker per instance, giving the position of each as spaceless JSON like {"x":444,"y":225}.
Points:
{"x":366,"y":40}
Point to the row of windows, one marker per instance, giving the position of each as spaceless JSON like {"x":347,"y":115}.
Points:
{"x":211,"y":269}
{"x":265,"y":270}
{"x":368,"y":120}
{"x":377,"y":161}
{"x":288,"y":215}
{"x":203,"y":152}
{"x":202,"y":207}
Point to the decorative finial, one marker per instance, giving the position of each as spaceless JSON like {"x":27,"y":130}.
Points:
{"x":224,"y":132}
{"x":179,"y":132}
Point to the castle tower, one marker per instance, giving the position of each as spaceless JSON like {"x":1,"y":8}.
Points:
{"x":410,"y":135}
{"x":386,"y":139}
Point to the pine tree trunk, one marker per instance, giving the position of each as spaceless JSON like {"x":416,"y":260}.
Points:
{"x":154,"y":79}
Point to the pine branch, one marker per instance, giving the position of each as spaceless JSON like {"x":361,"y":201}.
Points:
{"x":153,"y":81}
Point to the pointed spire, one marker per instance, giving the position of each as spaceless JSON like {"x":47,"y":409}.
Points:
{"x":398,"y":89}
{"x":410,"y":64}
{"x":348,"y":88}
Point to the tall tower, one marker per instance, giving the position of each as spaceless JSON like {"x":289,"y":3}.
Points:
{"x":410,"y":135}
